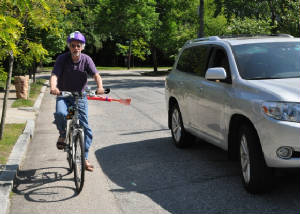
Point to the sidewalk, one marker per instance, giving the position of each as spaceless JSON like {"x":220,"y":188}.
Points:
{"x":9,"y":171}
{"x":16,"y":115}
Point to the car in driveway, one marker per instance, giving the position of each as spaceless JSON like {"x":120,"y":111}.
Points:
{"x":241,"y":94}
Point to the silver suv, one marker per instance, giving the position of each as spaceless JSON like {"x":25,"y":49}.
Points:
{"x":241,"y":94}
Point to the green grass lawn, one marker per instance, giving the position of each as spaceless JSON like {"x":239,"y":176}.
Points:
{"x":13,"y":131}
{"x":10,"y":136}
{"x":35,"y":89}
{"x":45,"y":69}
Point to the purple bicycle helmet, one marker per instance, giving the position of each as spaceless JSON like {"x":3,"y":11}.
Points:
{"x":76,"y":36}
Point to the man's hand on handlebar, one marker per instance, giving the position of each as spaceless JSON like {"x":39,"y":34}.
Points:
{"x":55,"y":91}
{"x":100,"y":91}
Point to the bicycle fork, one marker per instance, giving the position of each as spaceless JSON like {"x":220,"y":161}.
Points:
{"x":78,"y":132}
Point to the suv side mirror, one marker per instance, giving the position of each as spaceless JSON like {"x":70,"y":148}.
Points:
{"x":217,"y":73}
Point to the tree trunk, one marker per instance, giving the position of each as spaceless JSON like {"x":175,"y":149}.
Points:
{"x":128,"y":61}
{"x":34,"y":69}
{"x":273,"y":16}
{"x":201,"y":19}
{"x":30,"y":72}
{"x":129,"y":56}
{"x":8,"y":81}
{"x":133,"y":61}
{"x":154,"y":56}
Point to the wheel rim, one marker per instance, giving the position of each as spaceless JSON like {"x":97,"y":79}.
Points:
{"x":245,"y":160}
{"x":176,"y":125}
{"x":73,"y":153}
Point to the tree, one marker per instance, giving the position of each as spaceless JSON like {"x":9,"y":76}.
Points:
{"x":248,"y":26}
{"x":10,"y":31}
{"x":18,"y":19}
{"x":201,"y":19}
{"x":3,"y":116}
{"x":83,"y":17}
{"x":282,"y":15}
{"x":129,"y":20}
{"x":40,"y":21}
{"x":138,"y":48}
{"x":289,"y":21}
{"x":178,"y":22}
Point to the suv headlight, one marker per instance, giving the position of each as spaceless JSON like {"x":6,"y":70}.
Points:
{"x":282,"y":111}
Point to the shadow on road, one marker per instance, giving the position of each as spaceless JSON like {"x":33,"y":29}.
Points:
{"x":195,"y":180}
{"x":131,"y":83}
{"x":44,"y":185}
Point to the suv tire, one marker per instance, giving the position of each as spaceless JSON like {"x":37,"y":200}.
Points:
{"x":181,"y":138}
{"x":256,"y":175}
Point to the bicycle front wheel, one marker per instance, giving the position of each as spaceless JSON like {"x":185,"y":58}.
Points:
{"x":79,"y":162}
{"x":70,"y":151}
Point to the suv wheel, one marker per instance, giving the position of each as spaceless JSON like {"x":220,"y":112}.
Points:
{"x":256,"y":175}
{"x":180,"y":137}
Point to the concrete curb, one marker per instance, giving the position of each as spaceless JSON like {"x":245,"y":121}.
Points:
{"x":9,"y":171}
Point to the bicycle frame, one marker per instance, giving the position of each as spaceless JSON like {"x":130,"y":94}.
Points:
{"x":73,"y":124}
{"x":75,"y":141}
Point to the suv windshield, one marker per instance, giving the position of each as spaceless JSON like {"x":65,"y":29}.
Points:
{"x":268,"y":60}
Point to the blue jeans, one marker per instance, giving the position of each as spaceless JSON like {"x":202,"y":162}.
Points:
{"x":62,"y":104}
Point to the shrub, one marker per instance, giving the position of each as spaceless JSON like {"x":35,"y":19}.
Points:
{"x":3,"y":75}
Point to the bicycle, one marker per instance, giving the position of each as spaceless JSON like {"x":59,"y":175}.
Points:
{"x":74,"y":141}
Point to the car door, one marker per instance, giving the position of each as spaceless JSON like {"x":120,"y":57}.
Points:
{"x":194,"y":98}
{"x":215,"y":95}
{"x":184,"y":78}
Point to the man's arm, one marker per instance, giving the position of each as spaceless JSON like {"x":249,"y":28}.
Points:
{"x":53,"y":85}
{"x":98,"y":80}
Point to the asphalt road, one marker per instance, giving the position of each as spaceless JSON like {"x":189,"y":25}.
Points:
{"x":138,"y":170}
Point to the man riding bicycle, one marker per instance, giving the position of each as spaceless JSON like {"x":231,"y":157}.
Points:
{"x":70,"y":73}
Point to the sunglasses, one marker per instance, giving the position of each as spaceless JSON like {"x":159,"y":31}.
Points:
{"x":74,"y":46}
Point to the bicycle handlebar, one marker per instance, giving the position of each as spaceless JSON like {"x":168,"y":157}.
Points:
{"x":80,"y":94}
{"x":106,"y":90}
{"x":91,"y":95}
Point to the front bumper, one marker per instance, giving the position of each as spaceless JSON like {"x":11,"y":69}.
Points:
{"x":274,"y":134}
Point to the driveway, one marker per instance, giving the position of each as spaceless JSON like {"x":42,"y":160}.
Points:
{"x":138,"y":170}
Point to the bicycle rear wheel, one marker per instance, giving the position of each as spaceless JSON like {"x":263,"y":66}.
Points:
{"x":79,"y":161}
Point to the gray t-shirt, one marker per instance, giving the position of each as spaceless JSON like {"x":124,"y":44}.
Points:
{"x":73,"y":76}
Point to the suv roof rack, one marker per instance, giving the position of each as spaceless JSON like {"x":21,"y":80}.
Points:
{"x":255,"y":35}
{"x":215,"y":38}
{"x":210,"y":38}
{"x":283,"y":35}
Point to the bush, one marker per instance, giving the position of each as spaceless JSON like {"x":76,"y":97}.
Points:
{"x":248,"y":26}
{"x":3,"y":75}
{"x":20,"y":69}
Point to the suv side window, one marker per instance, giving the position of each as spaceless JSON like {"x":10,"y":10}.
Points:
{"x":219,"y":59}
{"x":194,"y":60}
{"x":183,"y":62}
